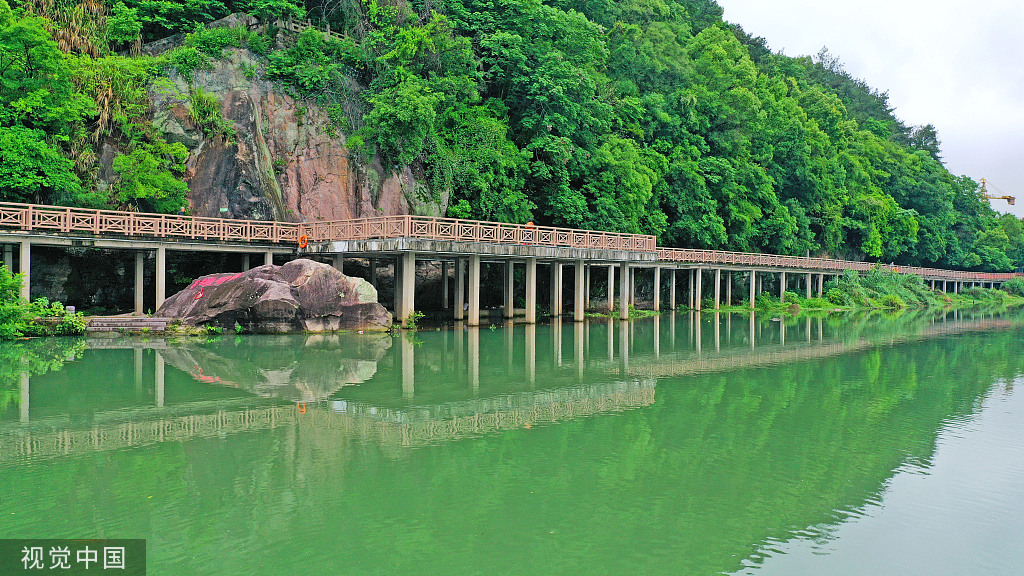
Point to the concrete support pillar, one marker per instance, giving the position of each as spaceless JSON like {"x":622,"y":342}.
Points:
{"x":611,"y":289}
{"x":782,"y":287}
{"x":697,"y":289}
{"x":139,"y":284}
{"x":161,"y":276}
{"x":808,"y":283}
{"x":25,"y":255}
{"x":445,"y":301}
{"x":689,"y":288}
{"x":338,"y":262}
{"x":474,"y":291}
{"x":9,"y":258}
{"x":657,"y":288}
{"x":632,"y":287}
{"x":753,"y":295}
{"x":458,"y":310}
{"x":932,"y":283}
{"x":578,"y":293}
{"x":672,"y":294}
{"x":586,"y":286}
{"x":821,"y":285}
{"x":760,"y":284}
{"x":373,"y":274}
{"x":556,"y":289}
{"x":718,"y":288}
{"x":623,"y":290}
{"x":531,"y":291}
{"x":945,"y":286}
{"x":405,"y":287}
{"x":268,"y":257}
{"x":246,"y":265}
{"x":728,"y":288}
{"x":508,"y":310}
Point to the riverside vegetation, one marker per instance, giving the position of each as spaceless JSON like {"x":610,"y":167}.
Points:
{"x":19,"y":317}
{"x":635,"y":116}
{"x":884,"y":289}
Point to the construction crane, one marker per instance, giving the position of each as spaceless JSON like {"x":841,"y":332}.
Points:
{"x":984,"y":192}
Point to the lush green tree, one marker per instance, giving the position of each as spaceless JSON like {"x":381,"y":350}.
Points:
{"x":31,"y":170}
{"x":151,"y":182}
{"x":123,"y":25}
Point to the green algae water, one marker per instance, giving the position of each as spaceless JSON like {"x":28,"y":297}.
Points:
{"x":674,"y":445}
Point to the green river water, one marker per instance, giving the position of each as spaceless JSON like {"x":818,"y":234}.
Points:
{"x":674,"y":445}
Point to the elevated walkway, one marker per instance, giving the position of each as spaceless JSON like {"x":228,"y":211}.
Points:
{"x":466,"y":243}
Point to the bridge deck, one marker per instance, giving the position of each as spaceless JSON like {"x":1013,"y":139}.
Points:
{"x":110,"y":228}
{"x":405,"y":238}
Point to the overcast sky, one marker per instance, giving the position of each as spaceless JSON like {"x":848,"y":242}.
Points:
{"x":957,"y":65}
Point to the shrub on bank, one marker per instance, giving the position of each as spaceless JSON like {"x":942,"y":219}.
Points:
{"x":1014,"y":286}
{"x":39,"y":318}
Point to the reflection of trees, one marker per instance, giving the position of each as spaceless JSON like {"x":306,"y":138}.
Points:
{"x":302,"y":368}
{"x":692,"y":484}
{"x":32,"y":357}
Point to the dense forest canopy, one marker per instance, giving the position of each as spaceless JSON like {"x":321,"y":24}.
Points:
{"x":648,"y":116}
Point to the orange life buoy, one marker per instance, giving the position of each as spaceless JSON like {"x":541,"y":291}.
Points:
{"x":303,"y":241}
{"x":302,"y":407}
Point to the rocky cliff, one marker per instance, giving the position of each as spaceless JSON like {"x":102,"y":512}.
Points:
{"x":286,"y":161}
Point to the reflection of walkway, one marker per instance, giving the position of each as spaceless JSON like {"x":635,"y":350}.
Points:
{"x":685,"y":363}
{"x":633,"y":384}
{"x":395,"y":427}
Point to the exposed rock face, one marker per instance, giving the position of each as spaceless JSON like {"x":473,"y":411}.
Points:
{"x":287,"y":162}
{"x":302,"y":295}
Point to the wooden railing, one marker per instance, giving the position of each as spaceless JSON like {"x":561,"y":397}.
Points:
{"x":60,"y":219}
{"x":29,"y":217}
{"x":719,"y":257}
{"x":297,"y":26}
{"x":474,"y":231}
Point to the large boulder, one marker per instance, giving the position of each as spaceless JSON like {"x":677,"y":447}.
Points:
{"x":302,"y":295}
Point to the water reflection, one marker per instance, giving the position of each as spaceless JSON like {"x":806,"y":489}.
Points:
{"x":680,"y":444}
{"x":415,"y":372}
